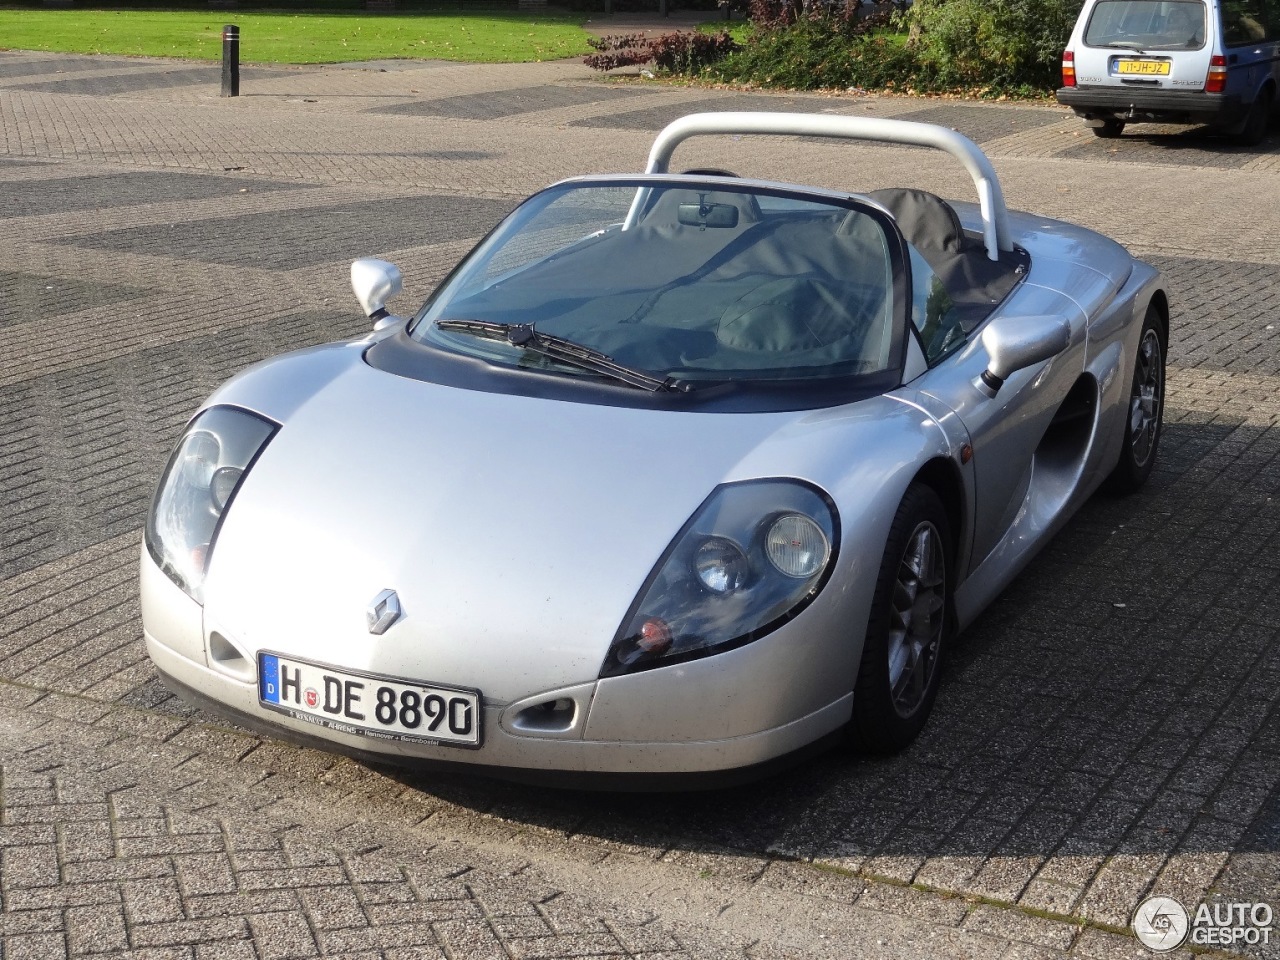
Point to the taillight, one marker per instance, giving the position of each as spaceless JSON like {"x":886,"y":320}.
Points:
{"x":1068,"y":69}
{"x":1216,"y":81}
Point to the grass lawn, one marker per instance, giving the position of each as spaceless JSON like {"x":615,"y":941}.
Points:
{"x":738,"y":29}
{"x":296,"y":38}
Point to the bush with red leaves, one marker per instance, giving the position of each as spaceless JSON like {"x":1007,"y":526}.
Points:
{"x":672,"y":52}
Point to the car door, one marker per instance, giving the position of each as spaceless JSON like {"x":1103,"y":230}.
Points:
{"x":1251,"y":42}
{"x":1004,"y":430}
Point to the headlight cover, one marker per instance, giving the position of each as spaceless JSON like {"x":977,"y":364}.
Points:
{"x":752,"y":557}
{"x":197,"y":487}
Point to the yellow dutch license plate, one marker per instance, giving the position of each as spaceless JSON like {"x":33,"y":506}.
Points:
{"x":1159,"y":68}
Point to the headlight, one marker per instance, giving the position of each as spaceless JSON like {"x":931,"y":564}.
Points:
{"x":197,"y":486}
{"x":750,"y":559}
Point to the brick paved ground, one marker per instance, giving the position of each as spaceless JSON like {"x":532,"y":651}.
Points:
{"x":1107,"y":729}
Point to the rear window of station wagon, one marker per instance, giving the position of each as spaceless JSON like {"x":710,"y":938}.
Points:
{"x":1147,"y":25}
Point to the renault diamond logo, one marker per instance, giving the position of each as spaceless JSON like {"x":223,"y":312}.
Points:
{"x":383,"y":612}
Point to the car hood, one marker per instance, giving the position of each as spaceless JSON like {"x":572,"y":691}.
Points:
{"x":516,"y":531}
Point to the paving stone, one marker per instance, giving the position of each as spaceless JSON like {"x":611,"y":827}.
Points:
{"x":381,"y":937}
{"x":905,"y":900}
{"x":114,"y":190}
{"x":152,"y":901}
{"x":32,"y":866}
{"x":95,"y":930}
{"x":188,"y":932}
{"x":1157,"y":144}
{"x":282,"y":935}
{"x":496,"y":104}
{"x":471,"y":939}
{"x":42,"y":946}
{"x":1019,"y":926}
{"x":981,"y":124}
{"x":1026,"y":951}
{"x":655,"y":118}
{"x":289,"y":240}
{"x":226,"y":951}
{"x":135,"y":81}
{"x":239,"y":904}
{"x":25,"y":297}
{"x":30,"y":67}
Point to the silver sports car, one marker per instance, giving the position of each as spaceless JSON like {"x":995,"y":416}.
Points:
{"x":674,"y":474}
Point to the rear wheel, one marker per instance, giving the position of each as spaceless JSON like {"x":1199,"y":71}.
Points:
{"x":1255,"y":125}
{"x":1109,"y":129}
{"x":1145,"y":414}
{"x":908,"y":629}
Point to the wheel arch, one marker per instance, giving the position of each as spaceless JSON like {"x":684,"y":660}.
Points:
{"x":942,"y":475}
{"x":1160,"y":301}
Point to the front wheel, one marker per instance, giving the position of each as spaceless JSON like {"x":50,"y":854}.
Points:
{"x":1109,"y":129}
{"x":1145,"y":414}
{"x":908,"y":629}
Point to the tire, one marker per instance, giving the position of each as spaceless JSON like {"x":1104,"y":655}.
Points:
{"x":1109,"y":130}
{"x":1144,"y":420}
{"x":1255,"y":126}
{"x":908,"y":629}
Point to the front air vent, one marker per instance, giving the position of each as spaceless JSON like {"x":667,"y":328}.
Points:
{"x":227,"y":658}
{"x":550,"y":716}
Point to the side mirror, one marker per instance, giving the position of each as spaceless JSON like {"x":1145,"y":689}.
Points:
{"x":1015,"y":343}
{"x":375,"y":282}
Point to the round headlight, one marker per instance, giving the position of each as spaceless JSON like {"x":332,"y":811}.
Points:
{"x":223,"y":483}
{"x":199,"y":457}
{"x":720,"y":565}
{"x":796,"y":546}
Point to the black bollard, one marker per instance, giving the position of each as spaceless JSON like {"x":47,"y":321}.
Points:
{"x":231,"y":60}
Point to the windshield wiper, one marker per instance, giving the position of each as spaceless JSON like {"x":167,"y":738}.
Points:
{"x":566,"y":351}
{"x":1127,"y":45}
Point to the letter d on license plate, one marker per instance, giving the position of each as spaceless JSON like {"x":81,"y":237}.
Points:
{"x":368,"y":705}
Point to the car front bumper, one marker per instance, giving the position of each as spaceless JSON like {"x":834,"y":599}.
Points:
{"x":597,"y":751}
{"x":1161,"y":106}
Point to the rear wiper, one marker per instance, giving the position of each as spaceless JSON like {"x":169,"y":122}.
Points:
{"x":566,"y":351}
{"x":1127,"y":45}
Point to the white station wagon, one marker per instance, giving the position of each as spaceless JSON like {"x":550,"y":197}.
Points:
{"x":1174,"y":61}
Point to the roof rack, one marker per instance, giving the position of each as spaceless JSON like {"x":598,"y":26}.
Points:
{"x":995,"y":217}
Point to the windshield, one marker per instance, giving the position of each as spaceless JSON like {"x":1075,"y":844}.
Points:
{"x":1147,"y":25}
{"x":686,"y":281}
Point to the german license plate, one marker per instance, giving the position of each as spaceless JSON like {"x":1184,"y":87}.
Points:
{"x":369,"y":705}
{"x":1158,"y":68}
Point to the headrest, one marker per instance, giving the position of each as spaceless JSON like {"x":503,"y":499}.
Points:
{"x":928,"y":222}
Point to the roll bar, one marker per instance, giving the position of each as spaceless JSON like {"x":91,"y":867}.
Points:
{"x":995,"y":217}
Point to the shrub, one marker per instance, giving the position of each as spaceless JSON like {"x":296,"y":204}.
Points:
{"x":992,"y":46}
{"x":691,"y":52}
{"x":820,"y":50}
{"x":672,"y":52}
{"x":619,"y":50}
{"x":1003,"y":43}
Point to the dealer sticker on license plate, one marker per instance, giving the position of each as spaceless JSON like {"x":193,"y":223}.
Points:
{"x":367,"y":704}
{"x":1145,"y":67}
